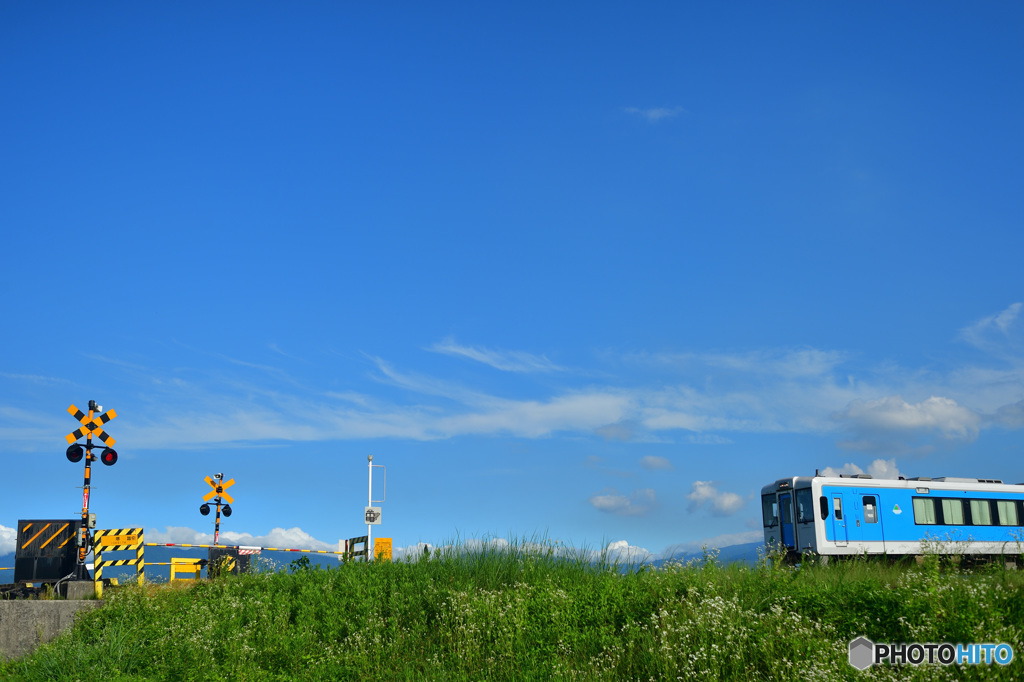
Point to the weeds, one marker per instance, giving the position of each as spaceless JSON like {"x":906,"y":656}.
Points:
{"x":537,"y":610}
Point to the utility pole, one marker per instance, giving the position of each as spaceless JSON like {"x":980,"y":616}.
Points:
{"x":372,"y":513}
{"x":369,"y":503}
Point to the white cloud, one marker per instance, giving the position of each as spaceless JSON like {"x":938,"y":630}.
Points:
{"x":506,"y":361}
{"x":8,"y":540}
{"x":610,"y":501}
{"x":411,"y":552}
{"x":290,"y":538}
{"x":655,"y":114}
{"x":706,"y":494}
{"x":880,"y":468}
{"x":653,"y":463}
{"x":622,"y":552}
{"x":884,"y":468}
{"x":893,"y":414}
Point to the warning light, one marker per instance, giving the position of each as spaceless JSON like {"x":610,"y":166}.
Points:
{"x":204,"y":509}
{"x":227,"y":510}
{"x":75,"y":453}
{"x":108,"y":456}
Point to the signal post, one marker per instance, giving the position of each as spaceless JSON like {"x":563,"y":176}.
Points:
{"x":220,"y":497}
{"x":90,"y":425}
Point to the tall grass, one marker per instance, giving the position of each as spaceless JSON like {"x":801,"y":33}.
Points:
{"x":536,"y":611}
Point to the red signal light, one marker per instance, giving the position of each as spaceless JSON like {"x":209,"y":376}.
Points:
{"x":108,"y":456}
{"x":227,"y":510}
{"x":75,"y":452}
{"x":204,"y":509}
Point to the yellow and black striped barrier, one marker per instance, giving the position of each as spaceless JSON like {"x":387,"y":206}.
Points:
{"x":117,"y":540}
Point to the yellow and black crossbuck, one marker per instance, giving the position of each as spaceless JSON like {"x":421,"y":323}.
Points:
{"x":90,"y":427}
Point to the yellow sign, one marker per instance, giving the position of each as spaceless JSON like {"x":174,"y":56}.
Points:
{"x":90,"y":425}
{"x":382,"y":548}
{"x":218,"y":489}
{"x":112,"y":540}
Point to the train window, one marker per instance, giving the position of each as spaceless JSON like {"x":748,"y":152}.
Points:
{"x":1007,"y":512}
{"x":924,"y":511}
{"x":770,"y":509}
{"x":953,"y":512}
{"x":981,"y":513}
{"x":787,"y":512}
{"x":804,"y":506}
{"x":870,"y":515}
{"x":837,"y":507}
{"x":823,"y":504}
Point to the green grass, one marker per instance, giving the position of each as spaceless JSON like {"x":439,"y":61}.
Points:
{"x":535,"y":611}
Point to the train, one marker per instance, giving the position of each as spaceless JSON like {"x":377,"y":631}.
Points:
{"x":856,"y":514}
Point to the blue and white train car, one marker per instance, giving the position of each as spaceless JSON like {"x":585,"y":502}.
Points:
{"x":858,"y":514}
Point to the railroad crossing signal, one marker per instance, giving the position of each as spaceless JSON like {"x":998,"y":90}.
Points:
{"x":219,"y":488}
{"x":219,"y":497}
{"x":90,"y":426}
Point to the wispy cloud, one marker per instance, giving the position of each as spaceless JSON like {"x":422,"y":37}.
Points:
{"x":697,"y":398}
{"x":115,"y":361}
{"x":1010,"y":416}
{"x":652,"y":463}
{"x":34,"y":378}
{"x":611,"y":502}
{"x":598,"y":464}
{"x":1001,"y":334}
{"x":506,"y":361}
{"x":655,"y":114}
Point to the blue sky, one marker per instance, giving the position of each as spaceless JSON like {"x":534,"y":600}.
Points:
{"x":590,"y":274}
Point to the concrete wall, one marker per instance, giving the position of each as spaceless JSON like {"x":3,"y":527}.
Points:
{"x":25,"y":624}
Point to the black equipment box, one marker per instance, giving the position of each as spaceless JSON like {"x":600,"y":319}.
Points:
{"x":227,"y":560}
{"x":46,"y":549}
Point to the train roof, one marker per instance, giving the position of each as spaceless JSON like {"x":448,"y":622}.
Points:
{"x":805,"y":481}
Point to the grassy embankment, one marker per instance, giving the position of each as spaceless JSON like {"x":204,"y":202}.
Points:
{"x":523,"y":613}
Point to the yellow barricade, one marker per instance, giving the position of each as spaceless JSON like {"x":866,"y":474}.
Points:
{"x":117,"y":540}
{"x":185,"y":569}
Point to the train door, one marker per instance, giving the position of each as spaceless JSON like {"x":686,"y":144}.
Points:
{"x":871,"y":528}
{"x":786,"y":515}
{"x":839,"y":520}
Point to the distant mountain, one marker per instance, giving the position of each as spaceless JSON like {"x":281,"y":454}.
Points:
{"x":154,"y":556}
{"x":746,"y":553}
{"x":275,"y":561}
{"x":7,"y":561}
